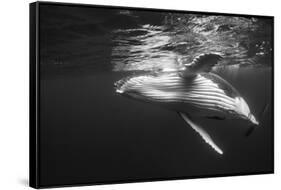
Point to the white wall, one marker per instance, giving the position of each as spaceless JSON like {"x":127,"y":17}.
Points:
{"x":14,"y":93}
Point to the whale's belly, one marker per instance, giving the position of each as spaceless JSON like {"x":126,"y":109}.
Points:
{"x":201,"y":95}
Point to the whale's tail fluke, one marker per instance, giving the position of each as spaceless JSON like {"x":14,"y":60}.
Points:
{"x":206,"y":137}
{"x":250,"y":130}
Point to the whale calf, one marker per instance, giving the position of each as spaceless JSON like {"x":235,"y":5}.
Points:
{"x":192,"y":92}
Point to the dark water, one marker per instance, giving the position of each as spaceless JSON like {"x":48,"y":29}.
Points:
{"x":91,"y":134}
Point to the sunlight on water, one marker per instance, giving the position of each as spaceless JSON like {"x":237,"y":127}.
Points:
{"x":143,"y":52}
{"x":167,"y":48}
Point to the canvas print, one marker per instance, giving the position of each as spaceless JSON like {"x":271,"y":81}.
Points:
{"x":130,"y":94}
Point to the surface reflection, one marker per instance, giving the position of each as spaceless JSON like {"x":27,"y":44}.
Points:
{"x":143,"y":51}
{"x":167,"y":47}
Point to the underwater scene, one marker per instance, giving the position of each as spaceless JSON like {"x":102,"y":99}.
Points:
{"x":140,"y":95}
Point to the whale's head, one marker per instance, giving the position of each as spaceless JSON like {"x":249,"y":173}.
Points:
{"x":119,"y":86}
{"x":125,"y":88}
{"x":243,"y":110}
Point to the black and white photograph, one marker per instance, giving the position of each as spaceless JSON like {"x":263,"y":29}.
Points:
{"x":132,"y":95}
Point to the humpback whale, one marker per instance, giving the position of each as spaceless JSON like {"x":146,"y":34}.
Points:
{"x":192,"y":92}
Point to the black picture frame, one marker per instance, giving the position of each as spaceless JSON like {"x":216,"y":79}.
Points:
{"x":35,"y":133}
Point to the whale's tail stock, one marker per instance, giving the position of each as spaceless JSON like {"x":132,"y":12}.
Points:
{"x":252,"y":127}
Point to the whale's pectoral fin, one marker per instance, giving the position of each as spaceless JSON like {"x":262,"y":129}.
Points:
{"x":206,"y":137}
